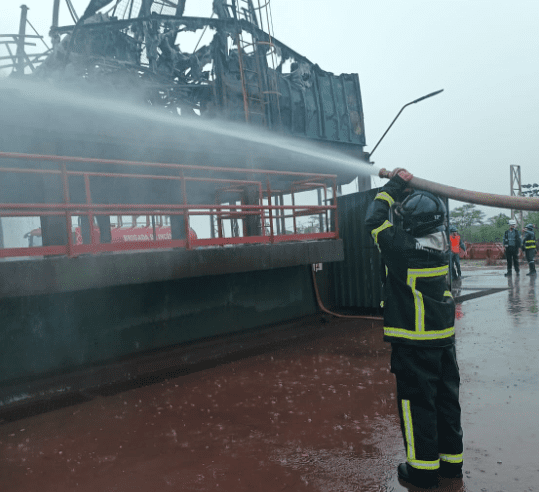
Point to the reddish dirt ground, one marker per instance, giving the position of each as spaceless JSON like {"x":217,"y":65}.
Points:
{"x":316,"y":415}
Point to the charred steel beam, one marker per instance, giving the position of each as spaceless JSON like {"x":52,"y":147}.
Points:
{"x":55,"y":13}
{"x":191,"y":23}
{"x":21,"y":55}
{"x":180,"y":9}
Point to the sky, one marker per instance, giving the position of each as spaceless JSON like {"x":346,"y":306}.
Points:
{"x":482,"y":53}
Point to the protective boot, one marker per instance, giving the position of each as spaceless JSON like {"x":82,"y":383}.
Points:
{"x":426,"y":479}
{"x":450,"y":470}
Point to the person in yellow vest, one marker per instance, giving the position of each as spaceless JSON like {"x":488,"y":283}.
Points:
{"x":529,"y":246}
{"x":456,"y":245}
{"x":419,"y":322}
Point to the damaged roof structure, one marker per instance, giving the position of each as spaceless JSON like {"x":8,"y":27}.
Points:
{"x":243,"y":73}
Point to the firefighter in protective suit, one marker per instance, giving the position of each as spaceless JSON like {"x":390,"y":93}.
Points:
{"x":419,"y":315}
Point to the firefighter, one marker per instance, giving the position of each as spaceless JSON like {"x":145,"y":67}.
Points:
{"x":419,"y":315}
{"x":529,"y":246}
{"x":511,"y":243}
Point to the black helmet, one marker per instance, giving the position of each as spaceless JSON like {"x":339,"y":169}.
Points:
{"x":422,"y":213}
{"x":453,"y":229}
{"x":529,"y":227}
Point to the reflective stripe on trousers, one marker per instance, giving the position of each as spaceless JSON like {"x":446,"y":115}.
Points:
{"x":428,"y":401}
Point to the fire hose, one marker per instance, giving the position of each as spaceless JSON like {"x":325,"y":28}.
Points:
{"x":476,"y":197}
{"x":458,"y":194}
{"x":337,"y":315}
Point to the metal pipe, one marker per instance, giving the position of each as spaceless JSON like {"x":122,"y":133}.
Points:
{"x":399,"y":113}
{"x":91,"y":160}
{"x":467,"y":196}
{"x":55,"y":13}
{"x":21,"y":55}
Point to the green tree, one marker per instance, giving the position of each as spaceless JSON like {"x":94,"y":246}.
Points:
{"x":532,"y":218}
{"x":500,"y":220}
{"x":466,"y":216}
{"x":485,"y":233}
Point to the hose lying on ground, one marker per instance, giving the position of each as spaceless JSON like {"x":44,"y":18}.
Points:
{"x":337,"y":315}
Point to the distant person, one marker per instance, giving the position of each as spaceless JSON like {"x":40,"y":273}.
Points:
{"x":456,"y":245}
{"x":419,"y":317}
{"x":511,"y":243}
{"x":529,"y":246}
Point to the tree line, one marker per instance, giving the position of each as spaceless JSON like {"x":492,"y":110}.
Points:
{"x":474,"y":227}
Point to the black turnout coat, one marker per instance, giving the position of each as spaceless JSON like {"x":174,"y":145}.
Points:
{"x":419,"y":309}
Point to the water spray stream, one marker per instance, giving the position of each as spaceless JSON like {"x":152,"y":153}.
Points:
{"x":193,"y":132}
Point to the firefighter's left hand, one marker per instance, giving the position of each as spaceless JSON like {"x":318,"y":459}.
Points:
{"x":402,"y":173}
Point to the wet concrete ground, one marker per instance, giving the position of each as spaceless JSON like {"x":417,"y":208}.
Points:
{"x":317,"y":415}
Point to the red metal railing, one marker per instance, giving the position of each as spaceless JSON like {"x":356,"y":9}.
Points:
{"x":268,"y":214}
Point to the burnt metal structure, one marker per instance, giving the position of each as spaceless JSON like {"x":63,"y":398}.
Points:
{"x":243,"y":73}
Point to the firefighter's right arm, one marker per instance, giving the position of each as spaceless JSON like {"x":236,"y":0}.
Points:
{"x":377,"y":218}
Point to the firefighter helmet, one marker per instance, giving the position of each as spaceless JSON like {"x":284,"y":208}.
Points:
{"x":453,"y":228}
{"x":529,"y":227}
{"x":422,"y":213}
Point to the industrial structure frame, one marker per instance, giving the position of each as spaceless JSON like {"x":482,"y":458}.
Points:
{"x":243,"y":74}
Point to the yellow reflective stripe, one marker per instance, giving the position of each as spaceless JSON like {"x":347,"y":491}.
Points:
{"x":410,"y":444}
{"x":414,"y":335}
{"x":378,"y":230}
{"x":418,"y":303}
{"x":413,"y":275}
{"x":384,"y":196}
{"x":429,"y":272}
{"x":425,"y":465}
{"x":451,"y":458}
{"x":448,"y":294}
{"x":408,"y":430}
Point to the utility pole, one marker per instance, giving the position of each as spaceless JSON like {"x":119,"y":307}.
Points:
{"x":516,"y":190}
